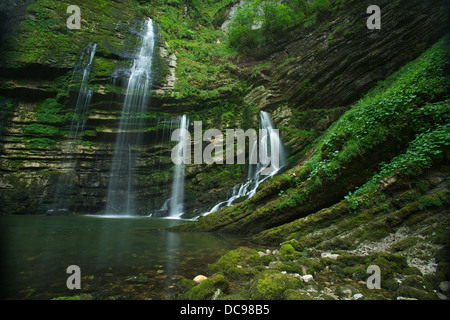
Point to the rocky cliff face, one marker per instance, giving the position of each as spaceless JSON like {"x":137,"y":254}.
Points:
{"x":357,"y":156}
{"x":38,"y":97}
{"x":306,"y":80}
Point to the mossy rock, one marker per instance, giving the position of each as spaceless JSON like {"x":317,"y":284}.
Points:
{"x":355,"y":266}
{"x":206,"y":289}
{"x":287,"y":252}
{"x":347,"y":291}
{"x":294,"y":243}
{"x":292,"y":294}
{"x":268,"y":258}
{"x":312,"y":264}
{"x":240,"y":264}
{"x":272,"y":284}
{"x":411,"y":292}
{"x":186,"y":284}
{"x":83,"y":296}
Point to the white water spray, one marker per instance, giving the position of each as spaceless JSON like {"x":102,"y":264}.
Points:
{"x":120,"y":192}
{"x":271,"y":148}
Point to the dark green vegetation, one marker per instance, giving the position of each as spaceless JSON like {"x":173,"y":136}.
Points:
{"x":275,"y":19}
{"x":364,"y":115}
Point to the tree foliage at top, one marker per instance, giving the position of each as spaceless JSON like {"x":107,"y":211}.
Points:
{"x":259,"y":21}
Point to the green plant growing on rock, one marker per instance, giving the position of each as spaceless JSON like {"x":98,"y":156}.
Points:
{"x":207,"y":288}
{"x":240,"y":264}
{"x":272,"y":285}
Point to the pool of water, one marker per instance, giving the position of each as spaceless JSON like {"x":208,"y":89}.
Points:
{"x":119,"y":258}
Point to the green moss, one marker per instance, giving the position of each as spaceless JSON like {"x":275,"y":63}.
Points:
{"x":206,"y":289}
{"x":40,"y":143}
{"x":292,"y":294}
{"x":41,"y":130}
{"x":240,"y":264}
{"x":271,"y":285}
{"x":51,"y":111}
{"x":83,"y":296}
{"x":411,"y":292}
{"x":294,"y":243}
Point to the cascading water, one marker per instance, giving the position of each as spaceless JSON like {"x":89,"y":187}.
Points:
{"x":261,"y":170}
{"x":65,"y":181}
{"x":177,"y":198}
{"x":120,"y":192}
{"x":84,"y":95}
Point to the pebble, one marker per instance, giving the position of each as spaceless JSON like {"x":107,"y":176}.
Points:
{"x":329,"y":255}
{"x":216,"y":294}
{"x":307,"y":277}
{"x":357,"y":296}
{"x":405,"y":298}
{"x":346,"y":294}
{"x":200,"y":278}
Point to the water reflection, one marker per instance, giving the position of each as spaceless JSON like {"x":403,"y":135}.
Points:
{"x":123,"y":258}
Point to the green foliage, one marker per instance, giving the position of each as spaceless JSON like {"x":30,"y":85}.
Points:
{"x":240,"y":264}
{"x":37,"y":129}
{"x":241,"y":32}
{"x":51,"y":111}
{"x":272,"y":285}
{"x":206,"y":289}
{"x":203,"y":69}
{"x":40,"y":143}
{"x":6,"y":111}
{"x":260,"y":21}
{"x":399,"y":110}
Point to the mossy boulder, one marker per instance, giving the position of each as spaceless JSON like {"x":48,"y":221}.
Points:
{"x":411,"y":292}
{"x":207,"y":288}
{"x":241,"y":264}
{"x":186,"y":284}
{"x":294,"y":243}
{"x":272,"y":285}
{"x":292,"y":294}
{"x":287,"y":252}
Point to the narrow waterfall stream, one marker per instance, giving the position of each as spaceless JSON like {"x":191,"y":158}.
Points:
{"x":260,"y":168}
{"x":120,"y":198}
{"x":177,"y":198}
{"x":65,"y":181}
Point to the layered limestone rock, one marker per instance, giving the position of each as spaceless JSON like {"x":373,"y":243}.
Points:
{"x":331,"y":65}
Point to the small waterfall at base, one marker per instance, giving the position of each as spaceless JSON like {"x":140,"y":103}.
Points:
{"x":65,"y":183}
{"x":270,"y":144}
{"x":120,"y":191}
{"x":177,"y":198}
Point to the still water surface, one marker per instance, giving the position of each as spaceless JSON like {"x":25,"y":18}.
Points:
{"x":119,"y":258}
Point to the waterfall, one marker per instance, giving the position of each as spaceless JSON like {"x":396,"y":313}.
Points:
{"x":259,"y":169}
{"x":65,"y":181}
{"x":120,"y":191}
{"x":84,"y":95}
{"x":177,"y":198}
